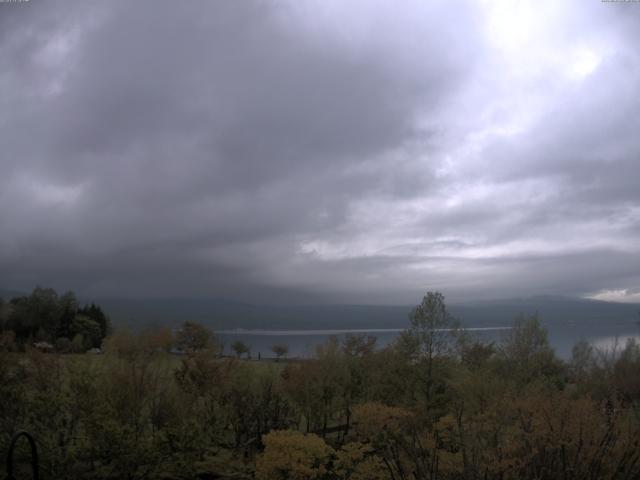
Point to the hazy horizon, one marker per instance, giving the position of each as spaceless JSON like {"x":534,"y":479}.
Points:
{"x":7,"y":294}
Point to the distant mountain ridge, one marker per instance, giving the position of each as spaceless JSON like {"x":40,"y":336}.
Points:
{"x":221,"y":314}
{"x":224,"y":314}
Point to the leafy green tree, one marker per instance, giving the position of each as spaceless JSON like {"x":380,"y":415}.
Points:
{"x":68,"y":311}
{"x":193,"y":337}
{"x":318,"y":387}
{"x":474,"y":353}
{"x":122,"y":430}
{"x":427,"y":342}
{"x":626,"y":372}
{"x":432,"y":327}
{"x":204,"y":382}
{"x":526,"y":353}
{"x":255,"y":404}
{"x":304,"y":386}
{"x":41,"y":309}
{"x":240,"y":348}
{"x":161,"y":338}
{"x":94,"y":312}
{"x":45,"y":316}
{"x":359,"y":345}
{"x":89,"y":329}
{"x":583,"y":361}
{"x":78,"y":344}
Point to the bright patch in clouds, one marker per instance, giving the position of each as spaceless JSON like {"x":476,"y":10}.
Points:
{"x":623,"y":295}
{"x":51,"y":195}
{"x":584,"y":63}
{"x":510,"y":23}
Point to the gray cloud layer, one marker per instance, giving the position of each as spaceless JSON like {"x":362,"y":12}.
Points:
{"x":320,"y":151}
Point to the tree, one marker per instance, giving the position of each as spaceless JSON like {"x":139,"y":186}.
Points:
{"x":291,"y":455}
{"x":160,"y":338}
{"x":432,"y":326}
{"x":429,"y":337}
{"x":78,"y":344}
{"x":4,"y":313}
{"x":393,"y":434}
{"x":358,"y":461}
{"x":474,"y":353}
{"x":68,"y":311}
{"x":45,"y":316}
{"x":280,"y":349}
{"x":240,"y":348}
{"x":41,"y":309}
{"x":254,"y":405}
{"x":94,"y":312}
{"x":359,"y":345}
{"x":88,"y":329}
{"x":319,"y":386}
{"x":583,"y":360}
{"x":44,"y":307}
{"x":526,"y":352}
{"x":626,"y":376}
{"x":193,"y":337}
{"x":304,"y":384}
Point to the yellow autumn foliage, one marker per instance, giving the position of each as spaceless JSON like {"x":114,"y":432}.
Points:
{"x":291,"y":455}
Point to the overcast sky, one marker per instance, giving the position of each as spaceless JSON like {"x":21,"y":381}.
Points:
{"x":321,"y":151}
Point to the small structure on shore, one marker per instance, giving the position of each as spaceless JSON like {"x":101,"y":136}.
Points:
{"x":43,"y":346}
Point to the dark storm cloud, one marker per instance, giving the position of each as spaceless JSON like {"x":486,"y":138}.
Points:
{"x":318,"y":151}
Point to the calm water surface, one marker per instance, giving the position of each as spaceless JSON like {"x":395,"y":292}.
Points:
{"x":302,"y":343}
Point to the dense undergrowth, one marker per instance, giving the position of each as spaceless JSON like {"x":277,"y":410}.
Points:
{"x":435,"y":404}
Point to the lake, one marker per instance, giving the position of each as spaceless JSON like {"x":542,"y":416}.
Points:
{"x":302,"y":343}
